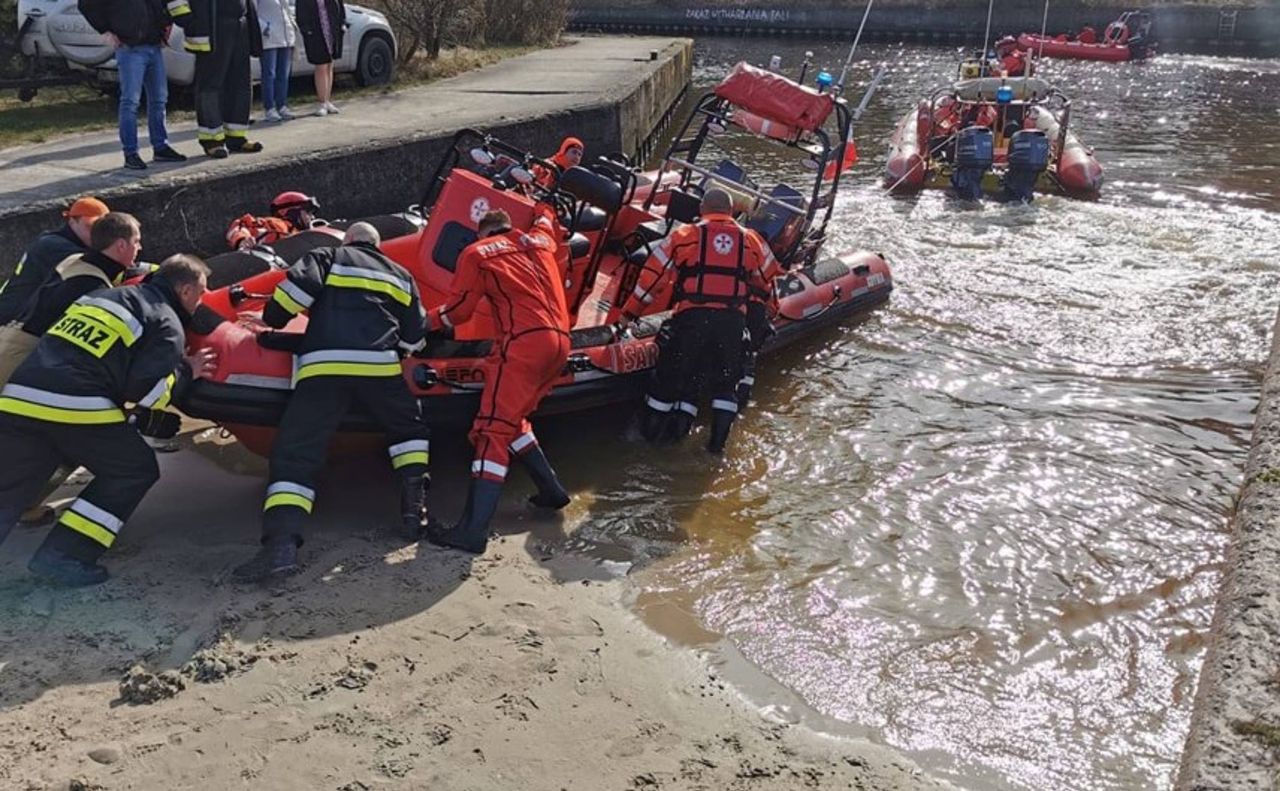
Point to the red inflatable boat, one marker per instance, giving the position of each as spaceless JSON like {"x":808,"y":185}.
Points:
{"x":613,"y":222}
{"x":1127,"y":38}
{"x":996,"y":137}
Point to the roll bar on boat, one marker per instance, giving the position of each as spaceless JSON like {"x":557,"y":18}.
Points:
{"x":823,"y":146}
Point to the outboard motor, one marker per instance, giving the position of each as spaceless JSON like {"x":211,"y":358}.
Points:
{"x":975,"y":153}
{"x":1028,"y":158}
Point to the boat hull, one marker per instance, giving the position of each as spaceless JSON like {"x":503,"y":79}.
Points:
{"x":1075,"y":50}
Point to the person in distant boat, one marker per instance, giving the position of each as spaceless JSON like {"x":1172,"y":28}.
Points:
{"x":517,"y":273}
{"x":291,"y":212}
{"x":1013,"y":61}
{"x":569,"y":155}
{"x":714,"y":268}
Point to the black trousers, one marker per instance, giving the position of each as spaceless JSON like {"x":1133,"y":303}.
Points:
{"x":703,"y":354}
{"x":302,"y":442}
{"x":124,"y":468}
{"x":224,"y":91}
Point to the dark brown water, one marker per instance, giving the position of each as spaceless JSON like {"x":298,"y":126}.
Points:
{"x":986,"y":525}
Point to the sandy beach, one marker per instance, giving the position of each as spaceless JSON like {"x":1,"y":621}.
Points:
{"x":379,"y":666}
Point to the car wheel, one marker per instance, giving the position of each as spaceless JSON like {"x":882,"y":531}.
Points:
{"x":376,"y":62}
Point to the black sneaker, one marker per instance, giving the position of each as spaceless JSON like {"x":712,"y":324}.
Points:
{"x":53,"y":566}
{"x":167,"y":154}
{"x":134,"y":162}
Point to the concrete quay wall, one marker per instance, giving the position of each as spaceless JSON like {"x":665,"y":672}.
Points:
{"x":616,"y":93}
{"x":1235,"y":731}
{"x":1250,"y":30}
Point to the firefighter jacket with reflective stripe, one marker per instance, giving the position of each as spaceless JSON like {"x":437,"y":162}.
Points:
{"x":198,"y":22}
{"x":363,"y":311}
{"x":110,"y":348}
{"x":518,"y":273}
{"x":75,"y":277}
{"x":33,"y":269}
{"x":250,"y":231}
{"x":715,"y":263}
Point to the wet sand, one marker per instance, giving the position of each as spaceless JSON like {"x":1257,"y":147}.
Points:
{"x":379,"y":666}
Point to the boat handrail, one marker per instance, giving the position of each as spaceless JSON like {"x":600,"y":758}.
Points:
{"x":735,"y":186}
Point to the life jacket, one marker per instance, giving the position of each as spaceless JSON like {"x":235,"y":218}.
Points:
{"x":713,"y":264}
{"x":251,"y":231}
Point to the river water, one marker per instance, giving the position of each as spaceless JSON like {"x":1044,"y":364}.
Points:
{"x":986,"y":525}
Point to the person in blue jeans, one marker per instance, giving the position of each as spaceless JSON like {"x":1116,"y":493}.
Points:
{"x":138,"y":30}
{"x":279,"y":35}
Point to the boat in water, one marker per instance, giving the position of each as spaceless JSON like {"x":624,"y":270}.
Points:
{"x":1129,"y":37}
{"x":613,"y":215}
{"x":1006,"y":138}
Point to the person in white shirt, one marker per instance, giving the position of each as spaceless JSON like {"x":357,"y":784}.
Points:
{"x":279,"y":35}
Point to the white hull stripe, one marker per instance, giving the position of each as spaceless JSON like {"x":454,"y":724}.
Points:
{"x":268,"y":382}
{"x":480,"y":466}
{"x":296,"y":293}
{"x":90,"y":511}
{"x":348,"y":356}
{"x":747,"y":380}
{"x":410,"y":446}
{"x":285,"y":487}
{"x":371,"y":274}
{"x":117,"y":310}
{"x":659,"y":406}
{"x":44,"y":397}
{"x":523,"y":441}
{"x":725,"y":406}
{"x":686,"y":407}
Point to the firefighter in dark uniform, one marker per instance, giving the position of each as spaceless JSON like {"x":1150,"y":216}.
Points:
{"x":364,"y":315}
{"x":66,"y":404}
{"x":223,"y":34}
{"x":711,"y":268}
{"x":45,"y":253}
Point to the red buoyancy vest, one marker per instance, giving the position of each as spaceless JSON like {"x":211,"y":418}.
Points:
{"x":250,"y":231}
{"x":713,"y":264}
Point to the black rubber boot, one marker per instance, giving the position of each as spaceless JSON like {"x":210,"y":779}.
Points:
{"x":413,"y":506}
{"x":721,"y":422}
{"x":471,"y":534}
{"x":680,"y":426}
{"x":54,"y":566}
{"x":275,"y":560}
{"x":551,"y":493}
{"x":653,"y":424}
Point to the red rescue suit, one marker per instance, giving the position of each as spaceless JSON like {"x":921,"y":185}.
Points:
{"x":518,"y":273}
{"x":250,"y":231}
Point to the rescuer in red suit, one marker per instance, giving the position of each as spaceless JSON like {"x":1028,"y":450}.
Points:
{"x":517,"y":272}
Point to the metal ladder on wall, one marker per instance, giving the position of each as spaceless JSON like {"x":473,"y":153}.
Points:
{"x":1227,"y":25}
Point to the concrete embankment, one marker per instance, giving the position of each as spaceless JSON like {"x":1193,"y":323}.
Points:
{"x":1243,"y":30}
{"x":1235,"y":732}
{"x":615,"y":93}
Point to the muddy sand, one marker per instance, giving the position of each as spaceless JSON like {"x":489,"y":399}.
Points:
{"x":380,"y":666}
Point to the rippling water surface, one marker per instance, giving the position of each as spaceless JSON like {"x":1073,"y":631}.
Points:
{"x":986,"y":525}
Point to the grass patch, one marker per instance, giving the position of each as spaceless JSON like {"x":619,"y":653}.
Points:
{"x":62,"y":111}
{"x":1257,"y":729}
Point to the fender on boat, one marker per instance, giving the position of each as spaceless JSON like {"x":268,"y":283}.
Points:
{"x":905,"y":170}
